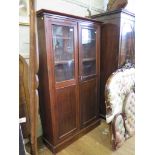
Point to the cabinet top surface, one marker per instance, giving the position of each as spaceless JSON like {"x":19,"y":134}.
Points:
{"x":120,"y":11}
{"x":50,"y":12}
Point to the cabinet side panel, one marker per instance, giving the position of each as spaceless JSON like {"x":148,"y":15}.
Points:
{"x":113,"y":50}
{"x":109,"y":56}
{"x":44,"y":97}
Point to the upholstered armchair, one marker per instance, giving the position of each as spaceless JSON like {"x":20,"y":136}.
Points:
{"x":120,"y":105}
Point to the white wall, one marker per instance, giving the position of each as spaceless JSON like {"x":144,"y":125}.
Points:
{"x":74,"y":7}
{"x":24,"y":41}
{"x":131,"y":6}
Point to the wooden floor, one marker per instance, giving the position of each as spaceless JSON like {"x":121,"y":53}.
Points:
{"x":95,"y":142}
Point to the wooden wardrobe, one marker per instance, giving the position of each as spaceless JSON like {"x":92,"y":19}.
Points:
{"x":117,"y":45}
{"x":69,"y":75}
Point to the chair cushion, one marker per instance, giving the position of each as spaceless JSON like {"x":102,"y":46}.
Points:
{"x":129,"y":110}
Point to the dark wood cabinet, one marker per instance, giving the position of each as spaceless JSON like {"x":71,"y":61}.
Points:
{"x":69,"y":76}
{"x":117,"y":45}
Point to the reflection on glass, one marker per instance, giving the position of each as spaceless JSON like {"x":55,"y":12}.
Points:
{"x":126,"y":29}
{"x":63,"y":38}
{"x":86,"y":36}
{"x":88,"y":52}
{"x":127,"y":44}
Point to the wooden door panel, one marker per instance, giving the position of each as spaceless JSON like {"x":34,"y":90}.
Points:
{"x":88,"y":102}
{"x":66,"y":109}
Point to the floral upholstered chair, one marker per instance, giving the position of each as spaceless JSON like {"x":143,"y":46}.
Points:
{"x":120,"y":105}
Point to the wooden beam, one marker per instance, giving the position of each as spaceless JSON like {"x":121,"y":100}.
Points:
{"x":34,"y":82}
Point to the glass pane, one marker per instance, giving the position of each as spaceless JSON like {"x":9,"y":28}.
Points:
{"x":63,"y":38}
{"x":127,"y":44}
{"x":88,"y":52}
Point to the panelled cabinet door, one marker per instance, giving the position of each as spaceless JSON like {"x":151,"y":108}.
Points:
{"x":88,"y":72}
{"x":127,"y":44}
{"x":66,"y":112}
{"x":64,"y":70}
{"x":88,"y":102}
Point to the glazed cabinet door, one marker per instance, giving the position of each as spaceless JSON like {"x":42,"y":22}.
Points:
{"x":88,"y":72}
{"x":64,"y":77}
{"x":127,"y":42}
